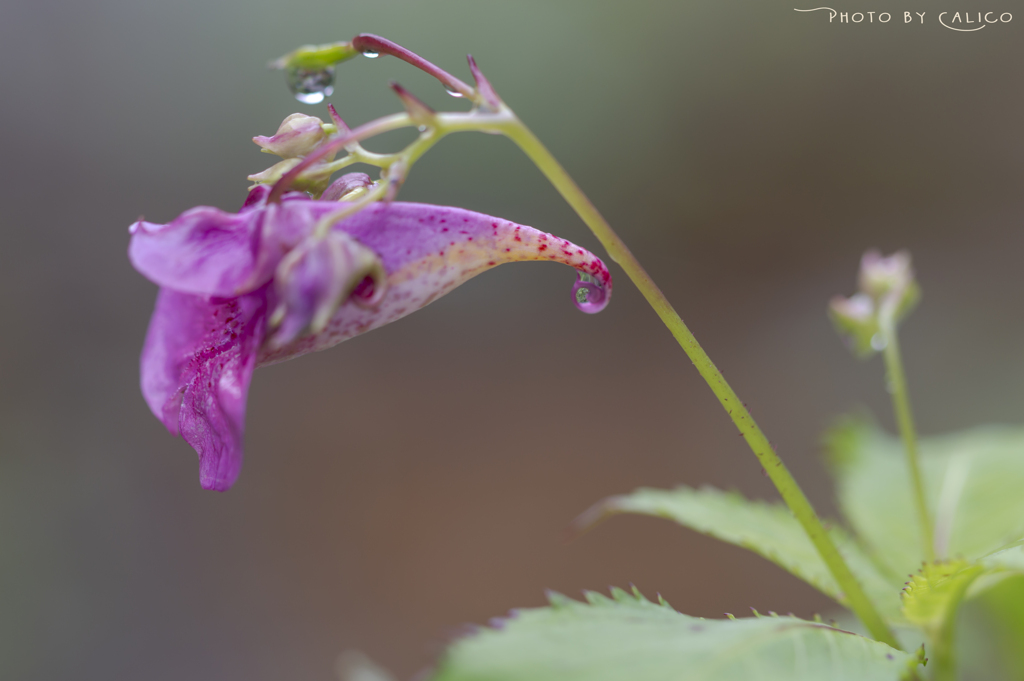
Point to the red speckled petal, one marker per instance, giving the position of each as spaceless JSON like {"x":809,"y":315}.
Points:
{"x":428,"y":251}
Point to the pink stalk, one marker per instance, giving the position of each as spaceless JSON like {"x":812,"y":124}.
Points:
{"x":366,"y":42}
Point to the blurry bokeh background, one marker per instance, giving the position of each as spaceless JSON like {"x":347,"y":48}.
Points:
{"x":420,"y":477}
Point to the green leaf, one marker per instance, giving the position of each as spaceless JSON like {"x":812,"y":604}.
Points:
{"x":627,"y":638}
{"x":991,"y":630}
{"x":1010,"y":557}
{"x":973,"y":481}
{"x":769,"y":530}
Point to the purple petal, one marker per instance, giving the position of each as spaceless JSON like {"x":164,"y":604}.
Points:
{"x":315,"y":278}
{"x":209,"y":252}
{"x":429,"y":250}
{"x":196,"y":366}
{"x":204,"y":251}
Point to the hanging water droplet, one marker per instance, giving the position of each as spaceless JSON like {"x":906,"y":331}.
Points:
{"x":370,"y":54}
{"x":588,"y":294}
{"x":452,"y":91}
{"x":310,"y":86}
{"x":421,"y":128}
{"x":878,"y":342}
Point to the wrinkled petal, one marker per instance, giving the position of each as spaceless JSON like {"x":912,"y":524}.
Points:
{"x":429,"y":250}
{"x":196,"y":366}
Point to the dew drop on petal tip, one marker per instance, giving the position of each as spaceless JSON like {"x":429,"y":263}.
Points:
{"x":370,"y":54}
{"x":588,"y":295}
{"x":452,"y":91}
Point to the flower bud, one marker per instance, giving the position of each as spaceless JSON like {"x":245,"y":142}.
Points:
{"x":889,"y":280}
{"x":348,"y":186}
{"x":856,"y":320}
{"x":315,"y":56}
{"x":317,"y":277}
{"x":298,"y":135}
{"x":313,"y":179}
{"x":881,"y":274}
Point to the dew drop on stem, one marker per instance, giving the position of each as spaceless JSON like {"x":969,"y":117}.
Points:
{"x":452,"y":91}
{"x":311,"y":86}
{"x":370,"y":54}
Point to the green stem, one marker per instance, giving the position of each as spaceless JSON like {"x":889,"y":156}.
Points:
{"x":897,"y":383}
{"x":505,"y":122}
{"x":942,"y":656}
{"x":770,"y":461}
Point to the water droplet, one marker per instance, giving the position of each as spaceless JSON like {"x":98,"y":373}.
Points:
{"x":421,"y":128}
{"x":370,"y":54}
{"x":588,"y":294}
{"x":310,"y":86}
{"x":452,"y":91}
{"x":878,"y":342}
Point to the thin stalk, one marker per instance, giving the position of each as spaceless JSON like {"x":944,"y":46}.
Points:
{"x":371,"y":129}
{"x":505,"y":122}
{"x":897,"y":383}
{"x":770,"y":461}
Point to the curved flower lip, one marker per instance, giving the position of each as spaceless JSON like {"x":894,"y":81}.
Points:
{"x":429,"y":250}
{"x":216,"y":270}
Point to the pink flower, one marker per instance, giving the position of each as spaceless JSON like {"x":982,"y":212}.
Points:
{"x":247,"y":289}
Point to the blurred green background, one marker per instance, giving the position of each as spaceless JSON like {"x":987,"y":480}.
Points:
{"x":420,"y":477}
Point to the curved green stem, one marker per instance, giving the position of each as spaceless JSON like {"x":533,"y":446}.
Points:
{"x":897,"y":383}
{"x":503,"y":121}
{"x":776,"y":469}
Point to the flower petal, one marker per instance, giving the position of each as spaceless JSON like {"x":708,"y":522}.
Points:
{"x":207,"y":251}
{"x":204,"y":251}
{"x":429,"y":250}
{"x":315,"y":278}
{"x":196,"y":366}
